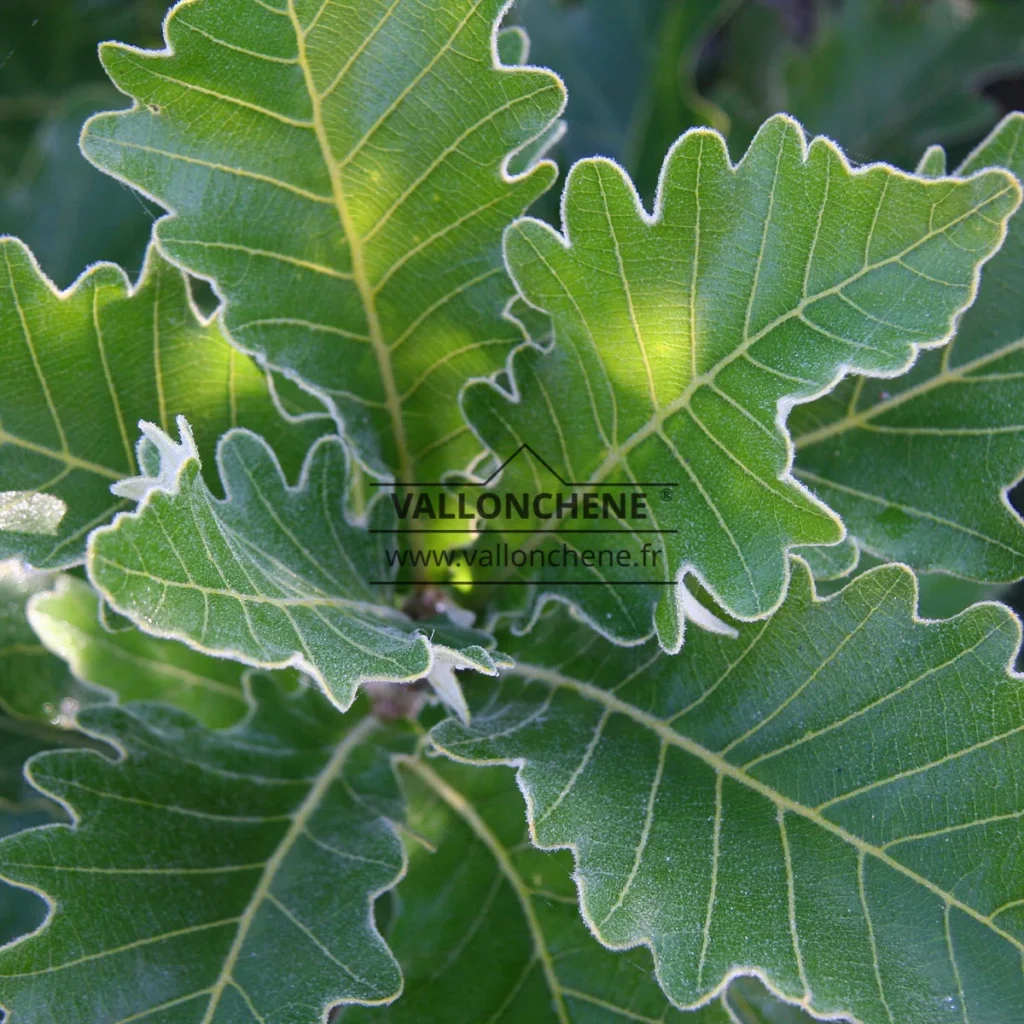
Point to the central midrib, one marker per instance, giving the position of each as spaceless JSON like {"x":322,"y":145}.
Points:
{"x":361,"y":278}
{"x":618,"y":453}
{"x":299,"y":820}
{"x":721,"y":766}
{"x":462,"y":807}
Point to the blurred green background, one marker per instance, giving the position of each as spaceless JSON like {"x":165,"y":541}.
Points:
{"x":884,"y":78}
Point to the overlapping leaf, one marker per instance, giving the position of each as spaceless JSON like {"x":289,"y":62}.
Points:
{"x":20,"y":911}
{"x":81,"y":368}
{"x":22,"y":807}
{"x":682,"y":341}
{"x":37,"y":697}
{"x":884,"y":79}
{"x":486,"y":928}
{"x":273,"y":575}
{"x":242,"y":864}
{"x":351,"y":215}
{"x":919,"y":468}
{"x":131,"y":663}
{"x":34,"y":684}
{"x":830,"y":800}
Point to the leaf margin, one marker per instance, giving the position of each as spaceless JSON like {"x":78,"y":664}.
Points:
{"x":537,"y":602}
{"x":724,"y":769}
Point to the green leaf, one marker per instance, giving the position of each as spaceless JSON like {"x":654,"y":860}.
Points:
{"x":630,"y":70}
{"x":352,"y":215}
{"x":273,"y":575}
{"x":135,"y":666}
{"x":82,"y":367}
{"x":22,"y":807}
{"x":920,"y":468}
{"x":883,"y":79}
{"x":34,"y":684}
{"x":829,"y":800}
{"x":513,"y":45}
{"x":486,"y":928}
{"x":834,"y":563}
{"x":20,"y":911}
{"x":242,"y":865}
{"x":682,"y":341}
{"x":38,"y":699}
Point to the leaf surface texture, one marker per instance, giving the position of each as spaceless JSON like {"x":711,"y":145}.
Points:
{"x":82,"y":367}
{"x":352,"y":215}
{"x":851,"y":766}
{"x":242,"y":864}
{"x":682,"y":340}
{"x":919,"y":468}
{"x":273,"y":575}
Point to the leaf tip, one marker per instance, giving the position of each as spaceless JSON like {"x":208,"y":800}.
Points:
{"x":161,"y":460}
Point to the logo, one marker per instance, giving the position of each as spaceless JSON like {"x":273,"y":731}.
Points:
{"x":527,"y":524}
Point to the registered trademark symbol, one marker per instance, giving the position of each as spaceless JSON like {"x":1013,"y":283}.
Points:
{"x":666,"y":493}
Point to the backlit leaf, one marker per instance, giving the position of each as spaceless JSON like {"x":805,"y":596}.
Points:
{"x":682,"y":340}
{"x":82,"y":367}
{"x":352,"y":215}
{"x":920,"y":468}
{"x":831,"y":799}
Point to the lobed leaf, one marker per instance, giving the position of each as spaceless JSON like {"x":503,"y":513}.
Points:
{"x":486,"y":928}
{"x":38,"y":697}
{"x":683,"y":339}
{"x":920,"y":468}
{"x":351,"y":217}
{"x":20,"y":911}
{"x":82,"y":367}
{"x":132,"y":664}
{"x":829,"y":801}
{"x":272,"y":575}
{"x":242,"y":864}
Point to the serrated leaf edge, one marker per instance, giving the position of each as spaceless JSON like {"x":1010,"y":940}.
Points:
{"x":324,"y":778}
{"x":541,"y":159}
{"x":474,"y":657}
{"x":723,"y":769}
{"x":130,"y":291}
{"x":513,"y":395}
{"x":943,"y":377}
